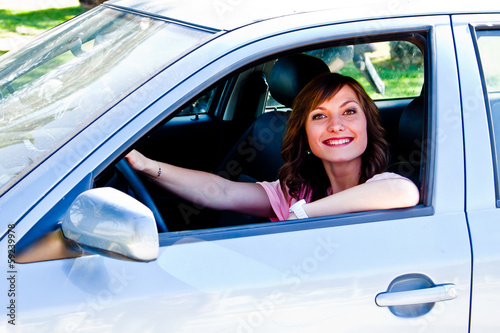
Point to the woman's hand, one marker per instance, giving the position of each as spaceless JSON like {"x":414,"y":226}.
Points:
{"x":137,"y":161}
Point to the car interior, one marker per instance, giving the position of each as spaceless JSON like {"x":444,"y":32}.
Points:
{"x":235,"y":130}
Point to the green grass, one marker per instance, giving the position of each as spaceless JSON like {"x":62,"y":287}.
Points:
{"x":401,"y":80}
{"x":34,"y":22}
{"x":398,"y":82}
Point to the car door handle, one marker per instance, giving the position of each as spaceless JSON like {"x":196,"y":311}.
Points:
{"x":433,"y":294}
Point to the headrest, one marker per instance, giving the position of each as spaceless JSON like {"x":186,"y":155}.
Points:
{"x":290,"y":74}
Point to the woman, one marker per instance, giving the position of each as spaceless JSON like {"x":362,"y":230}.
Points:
{"x":335,"y":157}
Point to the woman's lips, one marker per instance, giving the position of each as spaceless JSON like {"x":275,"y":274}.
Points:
{"x":337,"y":141}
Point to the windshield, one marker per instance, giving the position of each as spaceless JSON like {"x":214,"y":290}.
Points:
{"x":72,"y":74}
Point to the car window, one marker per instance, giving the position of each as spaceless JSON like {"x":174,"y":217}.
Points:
{"x":201,"y":105}
{"x":489,"y":51}
{"x":387,"y":70}
{"x":67,"y":78}
{"x":239,"y":146}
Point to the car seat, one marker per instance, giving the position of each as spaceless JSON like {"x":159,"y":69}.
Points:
{"x":256,"y":156}
{"x":408,"y":159}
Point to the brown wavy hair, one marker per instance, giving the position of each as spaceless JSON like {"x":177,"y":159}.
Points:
{"x":304,"y":172}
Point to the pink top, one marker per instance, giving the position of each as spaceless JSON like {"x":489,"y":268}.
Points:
{"x":281,"y":206}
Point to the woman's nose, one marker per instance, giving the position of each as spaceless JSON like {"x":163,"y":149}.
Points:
{"x":336,"y":124}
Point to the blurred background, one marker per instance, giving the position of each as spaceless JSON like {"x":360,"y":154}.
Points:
{"x":21,"y":20}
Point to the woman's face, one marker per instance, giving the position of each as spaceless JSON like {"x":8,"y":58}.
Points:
{"x":336,"y":129}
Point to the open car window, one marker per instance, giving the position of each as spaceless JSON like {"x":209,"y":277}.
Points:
{"x":231,"y":147}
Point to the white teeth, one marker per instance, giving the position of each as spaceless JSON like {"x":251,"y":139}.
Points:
{"x":338,"y":142}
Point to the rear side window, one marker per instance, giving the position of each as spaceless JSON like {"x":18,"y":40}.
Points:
{"x":386,"y":70}
{"x":489,"y":49}
{"x":488,"y":43}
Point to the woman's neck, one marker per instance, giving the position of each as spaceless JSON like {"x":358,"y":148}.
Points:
{"x":343,"y":175}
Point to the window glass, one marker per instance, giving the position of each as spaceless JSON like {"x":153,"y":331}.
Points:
{"x":201,"y":105}
{"x":489,"y":47}
{"x":386,"y":70}
{"x":69,"y":76}
{"x":489,"y":51}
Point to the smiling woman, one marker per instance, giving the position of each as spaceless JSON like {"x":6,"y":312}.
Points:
{"x":334,"y":119}
{"x":325,"y":98}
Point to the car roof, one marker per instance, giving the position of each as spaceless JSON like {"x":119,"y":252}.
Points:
{"x":232,"y":14}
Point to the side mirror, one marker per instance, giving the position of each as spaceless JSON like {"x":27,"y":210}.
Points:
{"x":111,"y":223}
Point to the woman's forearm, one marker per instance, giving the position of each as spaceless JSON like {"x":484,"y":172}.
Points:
{"x":199,"y":187}
{"x":203,"y":188}
{"x":375,"y":195}
{"x":196,"y":186}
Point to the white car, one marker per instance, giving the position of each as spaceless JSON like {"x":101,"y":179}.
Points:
{"x":208,"y":85}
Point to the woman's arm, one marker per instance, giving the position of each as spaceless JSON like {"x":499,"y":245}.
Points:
{"x":374,"y":195}
{"x":204,"y":188}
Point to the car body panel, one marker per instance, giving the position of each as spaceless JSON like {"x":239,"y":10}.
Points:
{"x":482,"y":212}
{"x":314,"y":279}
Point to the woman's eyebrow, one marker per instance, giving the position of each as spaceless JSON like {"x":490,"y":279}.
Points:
{"x":321,"y":108}
{"x":350,"y":101}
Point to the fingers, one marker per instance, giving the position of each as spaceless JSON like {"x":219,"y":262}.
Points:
{"x":136,"y":160}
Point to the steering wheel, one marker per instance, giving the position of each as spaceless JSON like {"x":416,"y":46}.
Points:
{"x":141,"y":192}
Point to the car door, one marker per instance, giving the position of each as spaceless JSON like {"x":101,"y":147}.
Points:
{"x":478,"y":40}
{"x":406,"y":270}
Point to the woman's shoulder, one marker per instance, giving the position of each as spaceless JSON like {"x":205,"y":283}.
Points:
{"x":271,"y":186}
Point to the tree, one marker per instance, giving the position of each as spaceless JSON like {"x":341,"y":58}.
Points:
{"x":90,"y":3}
{"x":406,"y":54}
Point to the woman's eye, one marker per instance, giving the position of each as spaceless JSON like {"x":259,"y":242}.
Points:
{"x":318,"y":116}
{"x":350,"y":111}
